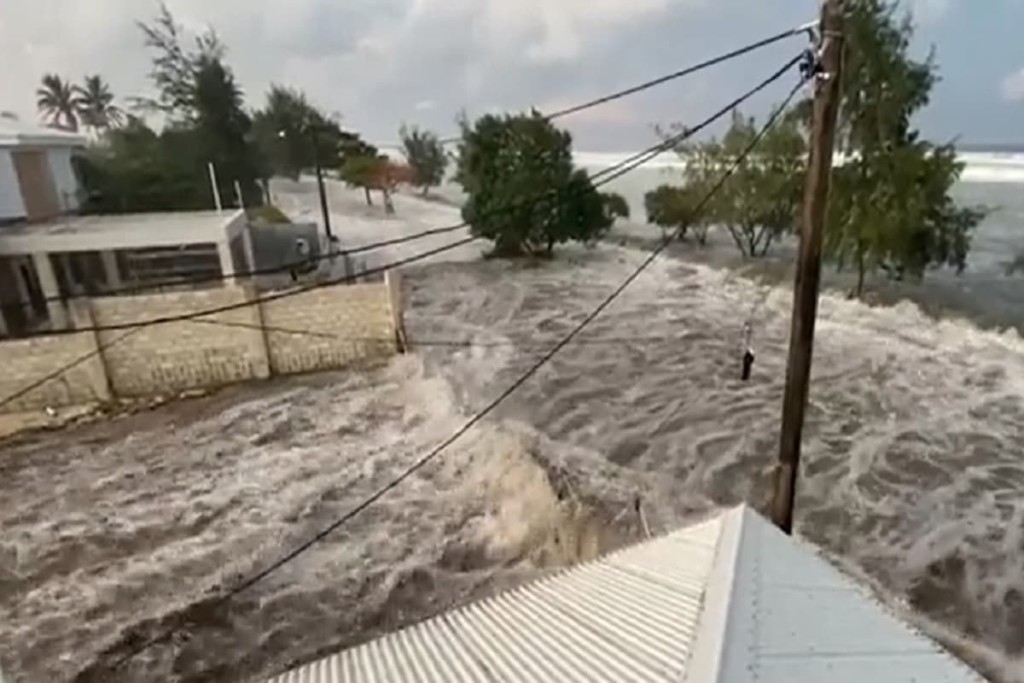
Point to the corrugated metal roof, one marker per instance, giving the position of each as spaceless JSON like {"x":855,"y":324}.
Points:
{"x":630,"y":616}
{"x":730,"y":600}
{"x":792,"y":616}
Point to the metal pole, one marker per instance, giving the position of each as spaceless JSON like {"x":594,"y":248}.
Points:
{"x":213,"y":184}
{"x":320,"y":186}
{"x":808,"y":272}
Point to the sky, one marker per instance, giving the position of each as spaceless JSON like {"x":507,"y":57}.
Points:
{"x":380,"y":63}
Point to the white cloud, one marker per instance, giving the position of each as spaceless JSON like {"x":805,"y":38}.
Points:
{"x":1013,"y":86}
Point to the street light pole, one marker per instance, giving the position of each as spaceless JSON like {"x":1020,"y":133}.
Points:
{"x":320,"y":184}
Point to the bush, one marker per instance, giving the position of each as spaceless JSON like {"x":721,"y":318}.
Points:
{"x":523,"y":192}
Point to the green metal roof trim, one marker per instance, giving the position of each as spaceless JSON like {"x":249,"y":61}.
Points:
{"x":730,"y":600}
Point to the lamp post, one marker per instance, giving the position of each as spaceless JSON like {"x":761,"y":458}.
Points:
{"x":314,"y":140}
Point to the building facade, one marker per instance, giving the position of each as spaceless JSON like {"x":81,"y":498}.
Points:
{"x":50,"y":256}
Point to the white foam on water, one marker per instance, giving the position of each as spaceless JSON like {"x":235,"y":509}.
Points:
{"x":979,"y":167}
{"x":913,"y":467}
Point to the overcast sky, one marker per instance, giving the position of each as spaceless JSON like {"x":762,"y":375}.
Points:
{"x":378,"y":63}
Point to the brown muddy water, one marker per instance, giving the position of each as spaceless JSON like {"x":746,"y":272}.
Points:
{"x":914,"y":472}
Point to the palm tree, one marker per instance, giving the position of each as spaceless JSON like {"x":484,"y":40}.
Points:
{"x":95,"y":104}
{"x":56,"y":101}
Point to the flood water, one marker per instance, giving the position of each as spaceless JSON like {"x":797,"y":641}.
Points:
{"x":913,"y":478}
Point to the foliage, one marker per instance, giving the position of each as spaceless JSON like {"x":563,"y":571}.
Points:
{"x":222,"y":127}
{"x":675,"y":209}
{"x":372,"y":171}
{"x":426,"y":156}
{"x":615,"y":205}
{"x":891,"y":207}
{"x":136,"y":169}
{"x":759,"y":201}
{"x":174,"y":67}
{"x":362,"y":171}
{"x":55,"y":100}
{"x":95,"y":104}
{"x":293,"y":135}
{"x":523,"y":193}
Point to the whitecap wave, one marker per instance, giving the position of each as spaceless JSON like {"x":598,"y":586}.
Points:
{"x":980,"y":167}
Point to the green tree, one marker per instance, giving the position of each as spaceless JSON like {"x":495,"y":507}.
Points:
{"x":222,"y":127}
{"x":523,"y":192}
{"x":362,"y":171}
{"x":891,"y":206}
{"x":95,"y":104}
{"x":615,"y":205}
{"x":55,"y":99}
{"x":756,"y":204}
{"x":675,"y":209}
{"x":175,"y":66}
{"x":292,"y":133}
{"x":425,"y":155}
{"x":134,"y":169}
{"x":198,"y":93}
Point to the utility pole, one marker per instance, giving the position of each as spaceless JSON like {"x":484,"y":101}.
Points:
{"x":826,"y":86}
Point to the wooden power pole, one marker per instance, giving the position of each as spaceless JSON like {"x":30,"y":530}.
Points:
{"x":808,"y":273}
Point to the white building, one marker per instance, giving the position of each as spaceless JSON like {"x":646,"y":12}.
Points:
{"x":48,"y":255}
{"x":37,"y":181}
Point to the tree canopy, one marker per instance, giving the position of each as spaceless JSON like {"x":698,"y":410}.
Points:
{"x":55,"y":100}
{"x":523,"y":192}
{"x":425,"y":155}
{"x":756,"y":205}
{"x":95,"y":104}
{"x":137,"y":169}
{"x":293,"y":134}
{"x":891,"y":209}
{"x":615,"y":205}
{"x":891,"y":205}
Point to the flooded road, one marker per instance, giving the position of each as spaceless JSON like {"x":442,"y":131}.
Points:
{"x":914,"y":471}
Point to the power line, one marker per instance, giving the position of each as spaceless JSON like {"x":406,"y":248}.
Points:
{"x":647,"y":85}
{"x":681,"y":73}
{"x":479,"y":416}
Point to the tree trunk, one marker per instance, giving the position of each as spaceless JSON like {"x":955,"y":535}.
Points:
{"x":861,"y":268}
{"x":736,"y":238}
{"x":369,"y":199}
{"x":389,"y":206}
{"x":426,"y":190}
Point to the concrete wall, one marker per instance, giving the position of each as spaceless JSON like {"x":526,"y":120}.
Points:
{"x":321,"y":329}
{"x":304,"y":332}
{"x":173,"y":357}
{"x":31,"y":364}
{"x":11,"y":204}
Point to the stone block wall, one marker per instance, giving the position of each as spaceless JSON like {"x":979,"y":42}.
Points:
{"x":319,"y":329}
